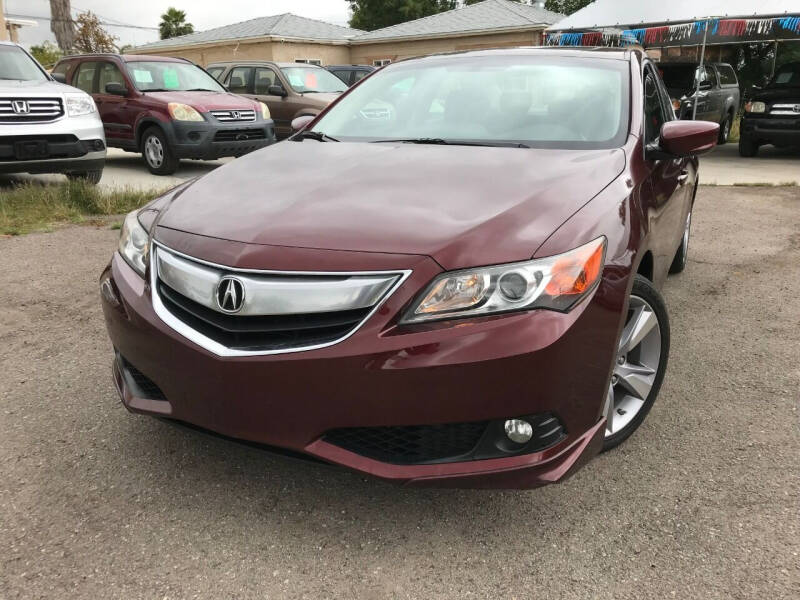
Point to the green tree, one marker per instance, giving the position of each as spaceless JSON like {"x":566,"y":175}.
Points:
{"x":47,"y":53}
{"x":375,"y":14}
{"x":566,"y":7}
{"x":173,"y":23}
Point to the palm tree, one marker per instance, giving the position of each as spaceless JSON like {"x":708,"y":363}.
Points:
{"x":173,"y":23}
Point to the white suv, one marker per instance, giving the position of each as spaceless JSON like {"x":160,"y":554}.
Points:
{"x":46,"y":126}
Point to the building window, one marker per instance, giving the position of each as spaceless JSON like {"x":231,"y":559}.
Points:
{"x":381,"y":62}
{"x":309,"y":61}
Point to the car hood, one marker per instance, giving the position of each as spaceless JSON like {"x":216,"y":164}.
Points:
{"x":34,"y":87}
{"x":205,"y":101}
{"x":773,"y":94}
{"x":463,"y":206}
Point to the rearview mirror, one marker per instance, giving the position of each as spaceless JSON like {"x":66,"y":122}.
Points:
{"x":277,"y":90}
{"x":685,"y":138}
{"x":300,"y":122}
{"x":59,"y":77}
{"x":115,"y":88}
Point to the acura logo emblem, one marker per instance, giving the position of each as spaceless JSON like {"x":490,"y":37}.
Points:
{"x":20,"y":107}
{"x":230,"y":295}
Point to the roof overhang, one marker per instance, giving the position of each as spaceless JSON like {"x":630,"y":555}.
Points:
{"x":237,"y":41}
{"x":450,"y":34}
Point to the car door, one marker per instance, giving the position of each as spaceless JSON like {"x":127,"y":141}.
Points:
{"x":117,"y":113}
{"x":714,"y":112}
{"x":669,"y":178}
{"x":702,"y":95}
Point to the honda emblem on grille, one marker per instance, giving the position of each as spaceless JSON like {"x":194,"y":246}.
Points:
{"x":235,"y":115}
{"x":796,"y":108}
{"x":230,"y":295}
{"x":20,"y":107}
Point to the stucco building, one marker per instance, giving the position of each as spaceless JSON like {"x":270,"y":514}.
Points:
{"x":287,"y":37}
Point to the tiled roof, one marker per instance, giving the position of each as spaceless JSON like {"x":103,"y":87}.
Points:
{"x":484,"y":16}
{"x":285,"y":25}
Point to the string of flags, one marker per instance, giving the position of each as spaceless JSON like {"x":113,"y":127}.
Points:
{"x":676,"y":34}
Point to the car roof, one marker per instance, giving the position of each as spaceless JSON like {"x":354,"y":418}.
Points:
{"x":349,"y":67}
{"x":624,"y":54}
{"x":259,"y":63}
{"x":128,"y":57}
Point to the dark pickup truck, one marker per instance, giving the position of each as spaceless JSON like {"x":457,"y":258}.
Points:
{"x":718,"y":98}
{"x":772,"y":114}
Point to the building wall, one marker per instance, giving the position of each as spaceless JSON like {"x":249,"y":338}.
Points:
{"x":3,"y":30}
{"x":365,"y":54}
{"x":329,"y":54}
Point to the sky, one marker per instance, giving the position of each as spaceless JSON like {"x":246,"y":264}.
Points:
{"x":203,"y":14}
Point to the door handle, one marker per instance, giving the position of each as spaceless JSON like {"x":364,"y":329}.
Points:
{"x":683,"y":177}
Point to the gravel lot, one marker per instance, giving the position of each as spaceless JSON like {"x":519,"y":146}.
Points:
{"x":703,"y":502}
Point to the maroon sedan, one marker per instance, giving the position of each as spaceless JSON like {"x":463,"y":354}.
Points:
{"x":450,"y":277}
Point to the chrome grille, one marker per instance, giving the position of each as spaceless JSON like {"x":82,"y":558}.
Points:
{"x":279,"y":311}
{"x":234,"y":116}
{"x":30,"y":110}
{"x":786,"y":110}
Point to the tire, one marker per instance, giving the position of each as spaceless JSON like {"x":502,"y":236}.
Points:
{"x":629,"y":399}
{"x":91,"y":177}
{"x":725,"y":129}
{"x":157,"y":153}
{"x":681,"y":256}
{"x":747,"y":147}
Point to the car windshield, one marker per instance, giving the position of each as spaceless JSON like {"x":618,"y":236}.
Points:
{"x":309,"y":80}
{"x":787,"y":75}
{"x":164,"y":76}
{"x":537,"y":101}
{"x":17,"y":65}
{"x":678,"y":77}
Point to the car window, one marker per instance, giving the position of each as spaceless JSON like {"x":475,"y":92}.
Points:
{"x":538,"y":101}
{"x":654,"y":117}
{"x":240,"y":80}
{"x":711,"y":76}
{"x":265,"y":77}
{"x":309,"y":80}
{"x":84,"y":78}
{"x":17,"y":65}
{"x":61,"y":68}
{"x":109,"y":73}
{"x":359,"y":75}
{"x":343,"y":75}
{"x":215,"y":72}
{"x":727,"y":76}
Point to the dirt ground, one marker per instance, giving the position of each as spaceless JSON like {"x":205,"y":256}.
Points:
{"x":702,"y":502}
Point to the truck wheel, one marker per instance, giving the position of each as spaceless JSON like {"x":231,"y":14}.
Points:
{"x":725,"y":129}
{"x":157,"y":153}
{"x":91,"y":177}
{"x":747,"y":147}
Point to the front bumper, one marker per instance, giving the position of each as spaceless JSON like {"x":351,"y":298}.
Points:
{"x":212,"y":140}
{"x":783,"y":131}
{"x":73,"y":145}
{"x":488,"y":369}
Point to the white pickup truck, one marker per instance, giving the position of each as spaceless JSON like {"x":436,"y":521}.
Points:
{"x":46,"y":126}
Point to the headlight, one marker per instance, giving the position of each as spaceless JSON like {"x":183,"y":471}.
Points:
{"x":134,"y":243}
{"x":755,"y":107}
{"x":554,"y":283}
{"x":183,"y":112}
{"x":79,"y":104}
{"x":265,"y":111}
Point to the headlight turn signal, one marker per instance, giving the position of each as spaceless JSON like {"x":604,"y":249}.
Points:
{"x":183,"y":112}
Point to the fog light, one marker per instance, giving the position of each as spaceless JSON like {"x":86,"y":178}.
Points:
{"x":519,"y":431}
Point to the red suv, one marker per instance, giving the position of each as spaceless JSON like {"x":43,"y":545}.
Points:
{"x":167,"y":109}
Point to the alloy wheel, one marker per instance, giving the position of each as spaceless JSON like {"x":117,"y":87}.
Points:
{"x":637,"y":363}
{"x":154,"y":151}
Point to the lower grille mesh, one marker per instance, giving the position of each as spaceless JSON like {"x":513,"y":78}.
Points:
{"x":146,"y":388}
{"x":410,"y":445}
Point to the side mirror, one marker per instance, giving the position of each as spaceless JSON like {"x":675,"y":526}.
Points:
{"x":116,"y":89}
{"x":685,"y":138}
{"x":59,"y":77}
{"x":277,"y":90}
{"x":300,"y":122}
{"x":705,"y":85}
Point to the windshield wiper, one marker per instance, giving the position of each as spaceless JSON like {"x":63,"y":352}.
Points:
{"x":158,"y":90}
{"x":199,"y":90}
{"x":443,"y":142}
{"x":314,"y":135}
